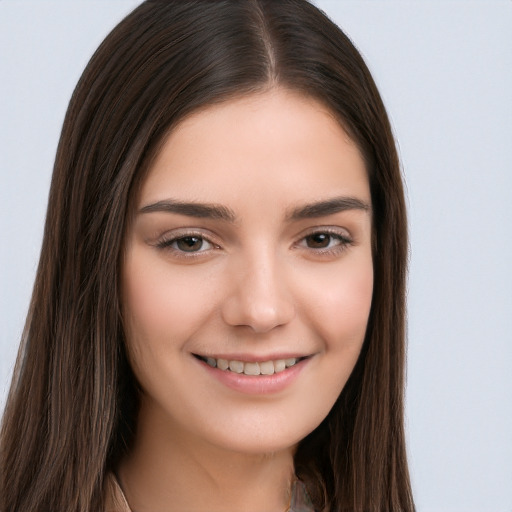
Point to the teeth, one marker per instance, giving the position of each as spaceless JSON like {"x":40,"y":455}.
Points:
{"x":267,"y":368}
{"x":222,"y":364}
{"x":279,"y":365}
{"x":251,"y":369}
{"x":260,"y":368}
{"x":236,"y":366}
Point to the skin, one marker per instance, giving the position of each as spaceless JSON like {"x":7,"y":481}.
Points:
{"x":275,"y":279}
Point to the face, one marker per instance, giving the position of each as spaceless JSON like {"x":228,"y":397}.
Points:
{"x":247,"y":279}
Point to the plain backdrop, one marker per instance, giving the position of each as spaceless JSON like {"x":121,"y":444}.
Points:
{"x":444,"y":69}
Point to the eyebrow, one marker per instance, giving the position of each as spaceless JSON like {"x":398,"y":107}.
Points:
{"x":328,"y":207}
{"x":191,"y":209}
{"x":220,"y":212}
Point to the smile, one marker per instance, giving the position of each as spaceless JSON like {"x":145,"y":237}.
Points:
{"x":251,"y":368}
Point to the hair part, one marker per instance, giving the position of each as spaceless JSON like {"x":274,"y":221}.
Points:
{"x":71,"y":410}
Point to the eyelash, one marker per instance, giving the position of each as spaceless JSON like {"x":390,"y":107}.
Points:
{"x":343,"y":241}
{"x":167,"y":244}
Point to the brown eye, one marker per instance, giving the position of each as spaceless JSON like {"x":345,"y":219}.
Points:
{"x":325,"y":242}
{"x":318,"y":240}
{"x":184,"y":245}
{"x":189,"y":243}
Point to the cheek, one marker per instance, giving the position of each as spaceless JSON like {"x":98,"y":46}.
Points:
{"x":145,"y":301}
{"x":159,"y":308}
{"x":339,"y":309}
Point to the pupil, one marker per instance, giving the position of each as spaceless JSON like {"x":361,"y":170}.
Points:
{"x":318,"y":240}
{"x":189,"y":243}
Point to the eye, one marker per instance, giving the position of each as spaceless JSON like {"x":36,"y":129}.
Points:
{"x":321,"y":241}
{"x":186,"y":244}
{"x":325,"y":242}
{"x":191,"y":244}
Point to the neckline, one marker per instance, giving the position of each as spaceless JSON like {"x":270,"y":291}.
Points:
{"x":299,"y":501}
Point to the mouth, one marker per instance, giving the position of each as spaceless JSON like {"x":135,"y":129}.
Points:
{"x":253,"y":368}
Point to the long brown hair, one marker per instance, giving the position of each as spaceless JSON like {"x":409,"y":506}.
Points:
{"x":72,"y":405}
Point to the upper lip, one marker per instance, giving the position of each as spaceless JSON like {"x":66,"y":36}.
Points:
{"x":254,"y":358}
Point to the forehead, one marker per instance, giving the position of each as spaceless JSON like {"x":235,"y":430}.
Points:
{"x":254,"y":146}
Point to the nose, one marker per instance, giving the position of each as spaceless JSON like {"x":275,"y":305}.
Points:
{"x":259,"y":297}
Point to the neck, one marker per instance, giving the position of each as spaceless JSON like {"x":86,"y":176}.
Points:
{"x":169,"y":469}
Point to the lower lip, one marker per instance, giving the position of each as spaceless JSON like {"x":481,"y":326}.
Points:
{"x":257,"y":384}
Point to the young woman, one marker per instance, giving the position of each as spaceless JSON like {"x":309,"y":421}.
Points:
{"x":217,"y":322}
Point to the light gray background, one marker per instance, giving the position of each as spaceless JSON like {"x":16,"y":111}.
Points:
{"x":444,"y":69}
